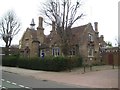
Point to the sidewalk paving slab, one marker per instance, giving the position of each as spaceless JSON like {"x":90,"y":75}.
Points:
{"x":99,"y":77}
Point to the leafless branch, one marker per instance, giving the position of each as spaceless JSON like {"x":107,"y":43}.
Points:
{"x":9,"y":27}
{"x":64,"y":14}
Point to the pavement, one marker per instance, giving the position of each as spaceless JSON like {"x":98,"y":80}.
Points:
{"x":100,"y":76}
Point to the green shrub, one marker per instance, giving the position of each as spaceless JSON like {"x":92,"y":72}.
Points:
{"x":73,"y":62}
{"x":48,"y":63}
{"x":10,"y":61}
{"x":23,"y":62}
{"x":59,"y":63}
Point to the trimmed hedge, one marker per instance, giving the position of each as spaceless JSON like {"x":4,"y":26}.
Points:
{"x":10,"y":61}
{"x":47,"y":64}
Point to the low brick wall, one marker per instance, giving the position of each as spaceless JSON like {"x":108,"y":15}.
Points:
{"x":111,"y":58}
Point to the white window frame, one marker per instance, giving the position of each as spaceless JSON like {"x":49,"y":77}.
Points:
{"x":90,"y":37}
{"x":56,"y":51}
{"x":90,"y":53}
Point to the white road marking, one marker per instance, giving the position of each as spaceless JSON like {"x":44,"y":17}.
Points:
{"x":8,"y":81}
{"x":21,"y":86}
{"x":14,"y":83}
{"x":2,"y":79}
{"x":4,"y":87}
{"x":27,"y":87}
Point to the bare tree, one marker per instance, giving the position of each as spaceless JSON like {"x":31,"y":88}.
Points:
{"x":9,"y":27}
{"x":64,"y":14}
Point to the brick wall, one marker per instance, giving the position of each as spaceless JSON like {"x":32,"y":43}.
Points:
{"x":111,"y":56}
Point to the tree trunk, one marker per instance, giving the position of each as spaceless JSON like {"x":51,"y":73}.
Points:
{"x":6,"y":51}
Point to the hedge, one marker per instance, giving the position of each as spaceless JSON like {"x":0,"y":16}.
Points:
{"x":47,"y":64}
{"x":10,"y":61}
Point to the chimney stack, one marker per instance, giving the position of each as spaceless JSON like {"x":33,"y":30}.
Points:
{"x":96,"y":26}
{"x":40,"y":22}
{"x":102,"y":38}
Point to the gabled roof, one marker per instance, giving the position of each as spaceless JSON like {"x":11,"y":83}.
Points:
{"x":32,"y":32}
{"x":79,"y":29}
{"x":76,"y":32}
{"x":51,"y":39}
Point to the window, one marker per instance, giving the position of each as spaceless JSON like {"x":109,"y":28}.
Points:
{"x":72,"y":51}
{"x":55,"y":51}
{"x":90,"y":52}
{"x":90,"y":37}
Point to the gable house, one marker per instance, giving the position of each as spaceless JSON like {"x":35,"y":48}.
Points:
{"x":85,"y":42}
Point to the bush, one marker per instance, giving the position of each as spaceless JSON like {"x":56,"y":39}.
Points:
{"x":47,"y":63}
{"x":58,"y":64}
{"x":74,"y":62}
{"x":10,"y":61}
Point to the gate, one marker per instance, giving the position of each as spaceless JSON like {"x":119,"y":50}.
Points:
{"x":110,"y":59}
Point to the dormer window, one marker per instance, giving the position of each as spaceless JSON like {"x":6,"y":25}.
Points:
{"x":90,"y":37}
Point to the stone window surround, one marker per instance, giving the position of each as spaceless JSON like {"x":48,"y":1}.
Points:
{"x":42,"y":51}
{"x":55,"y":51}
{"x":90,"y":37}
{"x":72,"y":51}
{"x":90,"y":52}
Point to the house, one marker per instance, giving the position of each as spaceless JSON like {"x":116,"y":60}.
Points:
{"x":85,"y":41}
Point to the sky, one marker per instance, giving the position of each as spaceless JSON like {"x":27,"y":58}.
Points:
{"x":105,"y":12}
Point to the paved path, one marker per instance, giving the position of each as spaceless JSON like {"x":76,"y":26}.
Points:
{"x":100,"y":77}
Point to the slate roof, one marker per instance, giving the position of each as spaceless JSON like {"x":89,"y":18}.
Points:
{"x":54,"y":38}
{"x":34,"y":34}
{"x":76,"y":32}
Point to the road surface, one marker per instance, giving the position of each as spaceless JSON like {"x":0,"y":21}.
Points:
{"x":12,"y":80}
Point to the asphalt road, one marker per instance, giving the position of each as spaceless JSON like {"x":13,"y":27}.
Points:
{"x":12,"y":80}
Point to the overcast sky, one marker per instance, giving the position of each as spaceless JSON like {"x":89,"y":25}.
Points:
{"x":105,"y":12}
